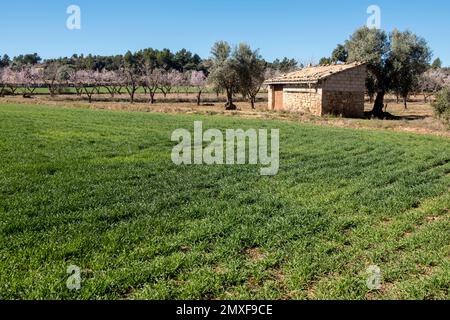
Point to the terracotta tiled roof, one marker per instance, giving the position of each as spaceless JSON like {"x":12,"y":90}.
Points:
{"x":312,"y":74}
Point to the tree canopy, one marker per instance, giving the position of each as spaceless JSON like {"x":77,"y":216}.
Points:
{"x":393,"y":60}
{"x":437,"y":64}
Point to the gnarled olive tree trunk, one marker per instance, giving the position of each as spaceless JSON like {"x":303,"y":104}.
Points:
{"x":379,"y":103}
{"x":230,"y":105}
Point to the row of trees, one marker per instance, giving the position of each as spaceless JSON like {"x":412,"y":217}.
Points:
{"x":182,"y":60}
{"x":56,"y":77}
{"x":397,"y":62}
{"x":20,"y":60}
{"x":238,"y":70}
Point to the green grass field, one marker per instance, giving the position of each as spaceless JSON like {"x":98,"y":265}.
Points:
{"x":97,"y":189}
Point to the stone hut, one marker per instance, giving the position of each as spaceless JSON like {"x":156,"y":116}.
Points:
{"x":333,"y":89}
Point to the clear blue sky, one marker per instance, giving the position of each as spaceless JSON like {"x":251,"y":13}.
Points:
{"x":299,"y":29}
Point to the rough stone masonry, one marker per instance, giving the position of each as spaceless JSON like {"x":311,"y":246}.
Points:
{"x":333,"y":89}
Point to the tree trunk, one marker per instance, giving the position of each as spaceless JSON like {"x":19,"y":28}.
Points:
{"x":111,"y":91}
{"x":52,"y":88}
{"x":89,"y":94}
{"x":199,"y":94}
{"x":152,"y":97}
{"x":229,"y":97}
{"x":379,"y":104}
{"x":131,"y":92}
{"x":230,"y":105}
{"x":405,"y":102}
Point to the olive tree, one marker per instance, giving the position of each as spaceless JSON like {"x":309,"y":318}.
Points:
{"x":437,"y":64}
{"x":410,"y":57}
{"x":388,"y":57}
{"x":251,"y":69}
{"x":223,"y":74}
{"x":340,"y":54}
{"x":372,"y":47}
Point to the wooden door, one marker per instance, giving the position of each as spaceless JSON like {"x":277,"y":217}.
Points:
{"x":278,"y":97}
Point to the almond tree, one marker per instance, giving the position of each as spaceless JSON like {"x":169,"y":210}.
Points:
{"x":271,"y":73}
{"x":171,"y":79}
{"x":75,"y":82}
{"x":119,"y":81}
{"x":2,"y":84}
{"x":51,"y":78}
{"x":131,"y":74}
{"x":10,"y":79}
{"x":130,"y":80}
{"x":152,"y":79}
{"x":429,"y":83}
{"x":21,"y":81}
{"x":198,"y":80}
{"x":89,"y":80}
{"x":109,"y":80}
{"x":432,"y":81}
{"x":30,"y":78}
{"x":186,"y":83}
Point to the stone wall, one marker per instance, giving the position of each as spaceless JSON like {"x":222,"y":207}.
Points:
{"x":351,"y":80}
{"x":270,"y":92}
{"x":303,"y":100}
{"x":347,"y":104}
{"x":340,"y":94}
{"x":343,"y":93}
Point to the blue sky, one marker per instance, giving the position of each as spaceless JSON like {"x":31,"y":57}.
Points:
{"x":305,"y":30}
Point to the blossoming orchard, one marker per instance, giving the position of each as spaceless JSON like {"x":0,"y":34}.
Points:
{"x":148,"y":71}
{"x":88,"y":82}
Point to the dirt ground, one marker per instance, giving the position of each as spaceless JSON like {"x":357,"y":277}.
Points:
{"x":418,"y":118}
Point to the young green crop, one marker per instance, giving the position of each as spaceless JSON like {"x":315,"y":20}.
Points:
{"x":97,"y":189}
